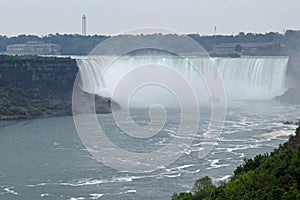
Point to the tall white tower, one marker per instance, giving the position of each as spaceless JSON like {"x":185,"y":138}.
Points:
{"x":83,"y":25}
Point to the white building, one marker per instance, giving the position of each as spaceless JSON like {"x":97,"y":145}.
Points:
{"x":33,"y":48}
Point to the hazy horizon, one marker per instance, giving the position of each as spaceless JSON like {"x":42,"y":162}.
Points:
{"x":112,"y":17}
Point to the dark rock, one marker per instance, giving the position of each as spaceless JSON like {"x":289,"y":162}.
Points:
{"x":291,"y":96}
{"x":32,"y":86}
{"x":84,"y":102}
{"x":288,"y":122}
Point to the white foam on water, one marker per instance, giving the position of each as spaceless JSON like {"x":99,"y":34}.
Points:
{"x":96,"y":196}
{"x":276,"y":134}
{"x":214,"y":164}
{"x":173,"y":176}
{"x":169,"y":130}
{"x":126,"y":192}
{"x":180,"y":137}
{"x":92,"y":197}
{"x":241,"y":147}
{"x":176,"y":169}
{"x":84,"y":183}
{"x":224,"y":178}
{"x":188,"y":152}
{"x":193,"y":172}
{"x":10,"y":190}
{"x":91,"y":181}
{"x":242,"y":155}
{"x":77,"y":198}
{"x":184,"y":166}
{"x":163,"y":141}
{"x":130,"y":191}
{"x":222,"y":139}
{"x":39,"y":184}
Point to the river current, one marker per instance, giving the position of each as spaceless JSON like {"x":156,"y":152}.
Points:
{"x":45,"y":159}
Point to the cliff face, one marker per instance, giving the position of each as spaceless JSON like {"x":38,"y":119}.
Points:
{"x":38,"y":87}
{"x":293,"y":70}
{"x":292,"y":95}
{"x":53,"y":76}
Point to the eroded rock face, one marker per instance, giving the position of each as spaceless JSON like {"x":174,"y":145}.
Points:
{"x":39,"y":87}
{"x":85,"y":103}
{"x":293,"y":71}
{"x":291,"y":96}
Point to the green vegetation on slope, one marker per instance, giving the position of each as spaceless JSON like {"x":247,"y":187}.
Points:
{"x":269,"y":176}
{"x":32,"y":86}
{"x":29,"y":102}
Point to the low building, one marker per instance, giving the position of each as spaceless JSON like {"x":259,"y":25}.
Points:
{"x":240,"y":48}
{"x":33,"y":48}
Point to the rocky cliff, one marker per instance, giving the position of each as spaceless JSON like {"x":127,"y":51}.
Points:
{"x":39,"y":87}
{"x":292,"y":95}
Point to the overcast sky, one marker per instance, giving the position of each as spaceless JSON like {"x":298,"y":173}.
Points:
{"x":43,"y":17}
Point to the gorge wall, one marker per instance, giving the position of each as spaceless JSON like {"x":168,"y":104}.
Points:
{"x":292,"y":95}
{"x":38,"y":87}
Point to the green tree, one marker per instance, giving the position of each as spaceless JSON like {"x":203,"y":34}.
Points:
{"x":270,"y":176}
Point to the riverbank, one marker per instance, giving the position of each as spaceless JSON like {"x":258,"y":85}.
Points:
{"x":266,"y":176}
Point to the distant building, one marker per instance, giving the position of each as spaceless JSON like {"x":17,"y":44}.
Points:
{"x":239,"y":48}
{"x":33,"y":48}
{"x":83,"y":25}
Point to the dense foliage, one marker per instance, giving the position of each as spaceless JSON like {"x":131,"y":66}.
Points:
{"x":33,"y":86}
{"x":269,"y":176}
{"x":81,"y":45}
{"x":27,"y":103}
{"x":16,"y":58}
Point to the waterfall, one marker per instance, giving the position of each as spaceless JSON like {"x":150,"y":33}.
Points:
{"x":245,"y":78}
{"x":253,"y":77}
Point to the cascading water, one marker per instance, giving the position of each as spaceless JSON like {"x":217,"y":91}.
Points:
{"x":90,"y":70}
{"x":246,"y":78}
{"x":253,"y":77}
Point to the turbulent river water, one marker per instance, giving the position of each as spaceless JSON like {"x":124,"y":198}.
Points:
{"x":45,"y":158}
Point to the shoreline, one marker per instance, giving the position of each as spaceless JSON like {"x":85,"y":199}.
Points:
{"x":22,"y":117}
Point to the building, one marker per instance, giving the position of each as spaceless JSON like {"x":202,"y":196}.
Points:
{"x":239,"y":48}
{"x":33,"y":48}
{"x":83,"y":25}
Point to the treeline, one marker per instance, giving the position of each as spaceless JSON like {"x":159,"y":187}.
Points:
{"x":25,"y":59}
{"x":290,"y":38}
{"x":81,"y":45}
{"x":268,"y":176}
{"x":70,"y":44}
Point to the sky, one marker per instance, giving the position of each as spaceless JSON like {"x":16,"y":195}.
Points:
{"x":110,"y":17}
